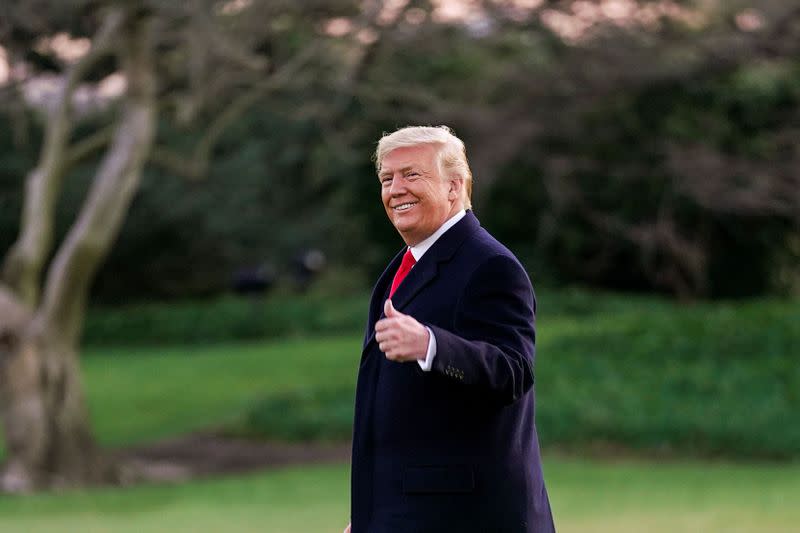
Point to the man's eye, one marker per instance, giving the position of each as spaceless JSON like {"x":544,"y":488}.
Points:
{"x":386,"y":181}
{"x":412,"y":175}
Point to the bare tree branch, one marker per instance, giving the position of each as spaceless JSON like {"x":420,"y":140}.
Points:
{"x":196,"y":165}
{"x":91,"y":236}
{"x":26,"y":257}
{"x":684,"y":271}
{"x":736,"y":185}
{"x":88,"y":146}
{"x":218,"y":43}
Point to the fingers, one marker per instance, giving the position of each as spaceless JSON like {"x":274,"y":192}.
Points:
{"x":390,"y":322}
{"x":395,"y":352}
{"x":385,"y":335}
{"x":388,"y":348}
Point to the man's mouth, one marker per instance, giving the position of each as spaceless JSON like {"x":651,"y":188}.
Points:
{"x":404,"y":207}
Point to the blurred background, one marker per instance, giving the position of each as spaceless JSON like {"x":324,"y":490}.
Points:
{"x":190,"y":225}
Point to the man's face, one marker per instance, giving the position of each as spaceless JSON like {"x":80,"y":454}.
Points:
{"x":416,"y":197}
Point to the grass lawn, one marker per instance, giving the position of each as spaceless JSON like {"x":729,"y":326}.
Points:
{"x":140,"y":394}
{"x":587,"y":497}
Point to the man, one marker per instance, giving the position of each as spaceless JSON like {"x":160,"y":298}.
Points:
{"x":444,"y":437}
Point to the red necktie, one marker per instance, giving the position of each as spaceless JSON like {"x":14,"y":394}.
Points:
{"x":405,"y":268}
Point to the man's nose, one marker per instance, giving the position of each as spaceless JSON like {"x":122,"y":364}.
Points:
{"x":398,"y":186}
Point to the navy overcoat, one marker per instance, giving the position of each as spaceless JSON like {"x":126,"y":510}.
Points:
{"x":454,"y":449}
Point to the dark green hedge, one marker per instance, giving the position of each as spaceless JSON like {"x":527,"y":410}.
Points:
{"x":302,"y":415}
{"x":229,"y":318}
{"x":320,"y":312}
{"x":711,"y":380}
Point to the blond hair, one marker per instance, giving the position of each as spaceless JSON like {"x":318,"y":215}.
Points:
{"x":451,"y":153}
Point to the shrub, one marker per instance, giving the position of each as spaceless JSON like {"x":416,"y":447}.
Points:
{"x":226,"y":319}
{"x":709,"y":380}
{"x":302,"y":415}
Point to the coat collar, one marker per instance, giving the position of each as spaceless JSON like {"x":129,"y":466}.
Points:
{"x":428,"y":266}
{"x":423,"y":273}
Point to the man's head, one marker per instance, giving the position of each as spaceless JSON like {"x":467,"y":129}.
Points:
{"x":425,"y":179}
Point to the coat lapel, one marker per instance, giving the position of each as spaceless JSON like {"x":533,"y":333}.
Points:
{"x":427,"y":269}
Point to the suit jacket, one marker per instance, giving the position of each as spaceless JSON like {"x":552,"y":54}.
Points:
{"x":453,"y":449}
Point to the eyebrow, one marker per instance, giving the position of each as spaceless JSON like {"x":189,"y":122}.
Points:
{"x":389,"y":173}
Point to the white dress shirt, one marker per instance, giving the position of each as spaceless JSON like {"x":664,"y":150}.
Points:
{"x":418,"y":250}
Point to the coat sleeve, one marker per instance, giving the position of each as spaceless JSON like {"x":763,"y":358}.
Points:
{"x":492,"y":345}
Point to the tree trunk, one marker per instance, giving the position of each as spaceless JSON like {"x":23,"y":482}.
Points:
{"x":47,"y":430}
{"x":48,"y":439}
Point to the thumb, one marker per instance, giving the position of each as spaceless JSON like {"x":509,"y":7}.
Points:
{"x":389,"y":310}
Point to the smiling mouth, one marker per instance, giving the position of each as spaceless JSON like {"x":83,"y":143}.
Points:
{"x":404,"y":207}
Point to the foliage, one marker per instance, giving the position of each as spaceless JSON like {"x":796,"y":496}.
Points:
{"x":627,"y":171}
{"x":303,"y":415}
{"x":714,"y":381}
{"x":321,"y":311}
{"x":225,"y":319}
{"x":263,"y":203}
{"x":587,"y":155}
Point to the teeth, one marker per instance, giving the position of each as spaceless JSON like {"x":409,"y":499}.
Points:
{"x":403,"y":207}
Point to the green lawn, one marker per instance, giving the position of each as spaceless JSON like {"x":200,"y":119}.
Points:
{"x":141,"y":394}
{"x":587,"y":497}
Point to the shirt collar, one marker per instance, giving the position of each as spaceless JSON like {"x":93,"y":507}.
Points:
{"x":419,"y":249}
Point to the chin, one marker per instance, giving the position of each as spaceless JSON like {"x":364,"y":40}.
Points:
{"x":403,"y":225}
{"x":404,"y":229}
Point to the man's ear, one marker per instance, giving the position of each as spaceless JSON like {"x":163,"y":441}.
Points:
{"x":456,"y":184}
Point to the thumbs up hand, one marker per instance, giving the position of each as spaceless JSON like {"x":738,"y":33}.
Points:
{"x":400,"y":336}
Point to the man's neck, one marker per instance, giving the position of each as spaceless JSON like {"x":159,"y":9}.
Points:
{"x":419,"y":249}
